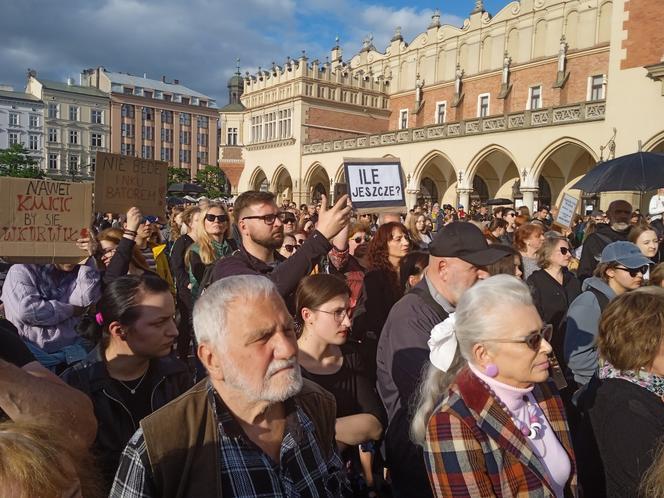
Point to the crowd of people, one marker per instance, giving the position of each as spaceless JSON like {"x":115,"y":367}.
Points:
{"x":261,"y":349}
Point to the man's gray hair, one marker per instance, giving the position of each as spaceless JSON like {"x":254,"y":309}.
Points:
{"x":213,"y":312}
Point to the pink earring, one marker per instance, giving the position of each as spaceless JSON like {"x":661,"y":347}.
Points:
{"x":491,"y":370}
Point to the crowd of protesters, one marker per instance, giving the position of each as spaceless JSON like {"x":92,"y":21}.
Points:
{"x":265,"y":349}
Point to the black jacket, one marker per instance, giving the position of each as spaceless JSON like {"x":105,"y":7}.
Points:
{"x":552,"y":301}
{"x":168,"y":377}
{"x":179,"y":270}
{"x":628,"y":422}
{"x":593,"y":246}
{"x":285,"y":273}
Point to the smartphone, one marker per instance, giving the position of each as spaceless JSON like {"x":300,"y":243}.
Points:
{"x":340,"y":189}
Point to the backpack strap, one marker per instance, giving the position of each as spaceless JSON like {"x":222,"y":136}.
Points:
{"x":424,"y":294}
{"x":602,"y":299}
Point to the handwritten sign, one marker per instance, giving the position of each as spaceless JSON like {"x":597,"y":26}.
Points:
{"x":567,"y":211}
{"x":40,"y":220}
{"x":123,"y":181}
{"x":375,"y":183}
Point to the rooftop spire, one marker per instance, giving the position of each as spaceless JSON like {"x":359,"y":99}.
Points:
{"x":237,"y":67}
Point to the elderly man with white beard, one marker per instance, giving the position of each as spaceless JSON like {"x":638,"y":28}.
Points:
{"x":254,"y":427}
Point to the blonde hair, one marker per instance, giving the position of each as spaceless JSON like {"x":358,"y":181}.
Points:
{"x":652,"y":482}
{"x":37,"y":460}
{"x":206,"y":251}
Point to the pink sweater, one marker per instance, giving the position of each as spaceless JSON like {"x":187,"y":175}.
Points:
{"x":546,"y":445}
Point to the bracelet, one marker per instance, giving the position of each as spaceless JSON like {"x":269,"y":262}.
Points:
{"x":130,"y":232}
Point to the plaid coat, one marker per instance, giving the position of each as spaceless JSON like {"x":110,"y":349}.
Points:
{"x":474,"y":449}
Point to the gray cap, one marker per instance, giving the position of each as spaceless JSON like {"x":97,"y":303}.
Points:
{"x":625,"y":253}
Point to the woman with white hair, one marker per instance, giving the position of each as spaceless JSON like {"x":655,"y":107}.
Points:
{"x":490,"y":420}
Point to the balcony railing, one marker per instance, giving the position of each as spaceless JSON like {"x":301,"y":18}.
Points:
{"x":577,"y":113}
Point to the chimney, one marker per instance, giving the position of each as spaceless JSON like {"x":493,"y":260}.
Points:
{"x":163,"y":79}
{"x":176,"y":82}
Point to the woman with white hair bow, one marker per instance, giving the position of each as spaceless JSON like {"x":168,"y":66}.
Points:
{"x":488,"y":417}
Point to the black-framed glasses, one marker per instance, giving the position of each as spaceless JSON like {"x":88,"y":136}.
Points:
{"x":633,"y":272}
{"x":289,"y":218}
{"x":221,"y":218}
{"x":339,"y":314}
{"x":149,"y":219}
{"x":511,"y":213}
{"x":268,"y":219}
{"x":360,"y":239}
{"x":533,"y":340}
{"x":564,"y":250}
{"x":291,"y":247}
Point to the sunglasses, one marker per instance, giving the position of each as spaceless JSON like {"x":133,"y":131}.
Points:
{"x":150,"y":219}
{"x":221,"y":218}
{"x":268,"y":219}
{"x":511,"y":214}
{"x":300,"y":241}
{"x":359,"y":240}
{"x":289,"y":219}
{"x":532,"y":340}
{"x":633,"y":272}
{"x":564,"y":251}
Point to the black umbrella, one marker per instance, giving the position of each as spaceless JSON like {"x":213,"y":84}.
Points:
{"x":185,"y":188}
{"x":175,"y":201}
{"x":499,"y":201}
{"x":641,"y":172}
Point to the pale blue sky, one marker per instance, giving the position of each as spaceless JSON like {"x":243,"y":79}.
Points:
{"x":197,"y":41}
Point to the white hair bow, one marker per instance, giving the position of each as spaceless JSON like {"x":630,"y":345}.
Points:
{"x":443,"y":344}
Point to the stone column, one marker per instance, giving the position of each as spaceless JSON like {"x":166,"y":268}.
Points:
{"x":464,"y":197}
{"x":529,"y":197}
{"x":411,"y":197}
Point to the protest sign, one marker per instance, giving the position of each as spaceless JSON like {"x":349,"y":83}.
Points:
{"x":375,"y":185}
{"x":567,"y":211}
{"x":123,"y":181}
{"x":40,"y":220}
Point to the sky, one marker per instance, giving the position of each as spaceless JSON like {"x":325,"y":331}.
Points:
{"x":198,"y":41}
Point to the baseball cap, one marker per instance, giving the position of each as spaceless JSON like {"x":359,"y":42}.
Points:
{"x":464,"y":241}
{"x":625,"y":253}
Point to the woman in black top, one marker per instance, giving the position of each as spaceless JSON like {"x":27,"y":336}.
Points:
{"x":554,"y":288}
{"x":327,"y":359}
{"x":628,"y":410}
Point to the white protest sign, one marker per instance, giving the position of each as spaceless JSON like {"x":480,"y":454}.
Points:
{"x":567,"y":211}
{"x":375,"y":183}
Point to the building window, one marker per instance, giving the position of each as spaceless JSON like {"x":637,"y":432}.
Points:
{"x":148,"y":114}
{"x":202,"y":157}
{"x":147,"y":152}
{"x":148,"y":133}
{"x":97,"y":117}
{"x":73,"y":137}
{"x":96,"y":140}
{"x":596,"y":86}
{"x":13,"y":119}
{"x":53,"y":161}
{"x":166,"y":135}
{"x":203,"y":121}
{"x":13,"y":138}
{"x":127,"y":150}
{"x":483,"y":105}
{"x":202,"y":139}
{"x":53,"y":111}
{"x":167,"y":117}
{"x":147,"y":95}
{"x":34,"y":121}
{"x":73,"y":162}
{"x":166,"y":154}
{"x":232,"y":136}
{"x":185,"y":137}
{"x":93,"y":163}
{"x":256,"y":129}
{"x":441,"y":112}
{"x":128,"y":90}
{"x":534,"y":98}
{"x":127,"y":111}
{"x":185,"y":118}
{"x":33,"y":142}
{"x":403,"y":119}
{"x":127,"y":130}
{"x":185,"y":156}
{"x":53,"y":135}
{"x":74,"y":112}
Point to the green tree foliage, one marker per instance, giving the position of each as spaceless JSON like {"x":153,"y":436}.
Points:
{"x":213,"y":180}
{"x":178,"y":175}
{"x":15,"y":161}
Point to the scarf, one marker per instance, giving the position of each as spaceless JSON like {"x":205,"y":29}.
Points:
{"x":650,"y":381}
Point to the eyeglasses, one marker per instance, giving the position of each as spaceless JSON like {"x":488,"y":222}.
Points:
{"x":150,"y":219}
{"x":289,"y":219}
{"x":268,"y":219}
{"x":221,"y":218}
{"x":564,"y":251}
{"x":291,"y":247}
{"x":512,"y":213}
{"x":339,"y":314}
{"x":300,"y":241}
{"x":360,"y":239}
{"x":532,"y":340}
{"x":633,"y":272}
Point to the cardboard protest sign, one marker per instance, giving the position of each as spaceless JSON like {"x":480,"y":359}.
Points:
{"x":375,"y":185}
{"x":123,"y":181}
{"x":567,"y":211}
{"x":40,"y":220}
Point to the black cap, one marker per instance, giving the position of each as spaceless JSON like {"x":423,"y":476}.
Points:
{"x":464,"y":241}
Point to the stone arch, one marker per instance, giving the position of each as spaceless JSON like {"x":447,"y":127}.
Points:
{"x":572,"y":28}
{"x":562,"y":164}
{"x":258,"y":180}
{"x":316,"y":182}
{"x":487,"y":53}
{"x":655,"y":143}
{"x":437,"y":168}
{"x":340,"y":175}
{"x":497,"y":168}
{"x":282,"y":184}
{"x":604,"y":24}
{"x":539,"y":43}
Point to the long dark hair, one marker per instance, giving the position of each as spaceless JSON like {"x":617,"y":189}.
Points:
{"x":379,"y":253}
{"x":120,"y":298}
